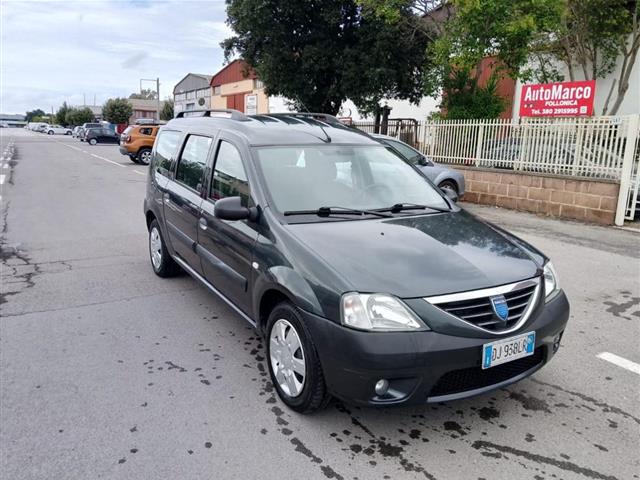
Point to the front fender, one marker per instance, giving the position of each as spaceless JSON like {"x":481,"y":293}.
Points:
{"x":291,"y":284}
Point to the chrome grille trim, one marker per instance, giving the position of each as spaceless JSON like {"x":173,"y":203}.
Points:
{"x":484,"y":294}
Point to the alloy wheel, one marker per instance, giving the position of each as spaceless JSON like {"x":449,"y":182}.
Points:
{"x":145,"y":157}
{"x":287,"y":357}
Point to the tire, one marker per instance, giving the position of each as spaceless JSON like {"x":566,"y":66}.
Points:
{"x":450,"y":185}
{"x":311,"y":394}
{"x":50,"y":132}
{"x":144,"y":156}
{"x":93,"y":141}
{"x":163,"y":265}
{"x":68,"y":133}
{"x":133,"y":159}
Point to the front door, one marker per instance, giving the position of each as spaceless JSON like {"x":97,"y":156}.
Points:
{"x":226,"y":247}
{"x":182,"y":199}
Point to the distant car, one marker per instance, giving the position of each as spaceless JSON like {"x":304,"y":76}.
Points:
{"x":58,"y":130}
{"x":94,"y":136}
{"x":4,"y":125}
{"x":76,"y":131}
{"x":444,"y":177}
{"x":85,"y":127}
{"x":137,"y":141}
{"x":42,"y":127}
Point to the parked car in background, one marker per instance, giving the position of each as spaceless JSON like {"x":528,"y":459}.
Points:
{"x":137,"y":141}
{"x":365,"y":281}
{"x":444,"y":177}
{"x":93,"y":136}
{"x":42,"y":127}
{"x":58,"y":130}
{"x":85,"y":127}
{"x":76,"y":131}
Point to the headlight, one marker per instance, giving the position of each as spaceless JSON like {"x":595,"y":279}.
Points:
{"x":377,"y":312}
{"x":550,"y":280}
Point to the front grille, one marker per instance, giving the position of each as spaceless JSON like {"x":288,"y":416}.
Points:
{"x":479,"y":311}
{"x":466,"y":379}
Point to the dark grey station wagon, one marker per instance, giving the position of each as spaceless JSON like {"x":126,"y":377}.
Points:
{"x":368,"y":283}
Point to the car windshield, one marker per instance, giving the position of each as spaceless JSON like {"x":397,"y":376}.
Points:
{"x":354,"y":177}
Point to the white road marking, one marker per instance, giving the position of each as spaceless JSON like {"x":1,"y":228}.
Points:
{"x":139,"y":172}
{"x":620,"y":362}
{"x":2,"y":177}
{"x":107,"y":160}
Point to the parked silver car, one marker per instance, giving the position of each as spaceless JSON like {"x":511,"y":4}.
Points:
{"x":442,"y":176}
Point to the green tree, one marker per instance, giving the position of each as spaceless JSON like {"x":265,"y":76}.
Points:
{"x":167,"y":110}
{"x":61,"y":115}
{"x":79,"y":116}
{"x":29,"y":116}
{"x":319,"y":56}
{"x":145,"y":94}
{"x":117,"y":110}
{"x":464,"y":98}
{"x":591,"y":38}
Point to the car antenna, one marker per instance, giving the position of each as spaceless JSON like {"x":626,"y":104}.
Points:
{"x":328,"y":138}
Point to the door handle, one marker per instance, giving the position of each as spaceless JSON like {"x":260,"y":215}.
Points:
{"x":202,"y":223}
{"x":166,"y":197}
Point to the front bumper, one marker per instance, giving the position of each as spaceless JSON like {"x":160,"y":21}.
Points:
{"x":425,"y":367}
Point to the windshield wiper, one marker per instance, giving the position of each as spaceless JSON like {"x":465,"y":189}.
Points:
{"x":399,"y":207}
{"x":326,"y":211}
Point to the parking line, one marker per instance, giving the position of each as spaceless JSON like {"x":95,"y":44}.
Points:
{"x":139,"y":172}
{"x":620,"y":362}
{"x":107,"y":160}
{"x":2,"y":177}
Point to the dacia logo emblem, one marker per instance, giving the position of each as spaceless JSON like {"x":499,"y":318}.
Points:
{"x":500,"y":307}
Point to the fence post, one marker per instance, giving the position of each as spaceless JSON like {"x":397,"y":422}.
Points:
{"x":479,"y":143}
{"x":627,"y":168}
{"x":577,"y":157}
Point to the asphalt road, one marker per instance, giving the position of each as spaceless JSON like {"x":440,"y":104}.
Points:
{"x":110,"y":372}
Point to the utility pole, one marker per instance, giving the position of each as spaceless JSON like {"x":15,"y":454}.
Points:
{"x":157,"y":80}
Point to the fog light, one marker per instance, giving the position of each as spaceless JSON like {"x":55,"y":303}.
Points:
{"x":556,"y":342}
{"x":381,"y":387}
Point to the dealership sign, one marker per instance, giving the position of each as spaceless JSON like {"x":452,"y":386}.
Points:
{"x":564,"y":99}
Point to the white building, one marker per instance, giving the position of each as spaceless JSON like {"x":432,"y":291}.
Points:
{"x":193,"y":92}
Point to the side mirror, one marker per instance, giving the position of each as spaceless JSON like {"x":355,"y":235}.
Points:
{"x":231,"y":208}
{"x":451,"y":194}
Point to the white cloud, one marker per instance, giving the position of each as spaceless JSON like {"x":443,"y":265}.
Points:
{"x":55,"y":51}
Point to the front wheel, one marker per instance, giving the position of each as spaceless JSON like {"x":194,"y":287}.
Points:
{"x":448,"y":185}
{"x":50,"y":132}
{"x":93,"y":141}
{"x":144,"y":156}
{"x":293,"y":361}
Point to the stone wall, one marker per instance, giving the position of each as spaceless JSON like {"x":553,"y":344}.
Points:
{"x":580,"y":199}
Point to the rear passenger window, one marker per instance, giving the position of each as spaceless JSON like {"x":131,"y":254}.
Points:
{"x":229,"y":177}
{"x":146,"y":131}
{"x":165,"y":149}
{"x":193,"y":161}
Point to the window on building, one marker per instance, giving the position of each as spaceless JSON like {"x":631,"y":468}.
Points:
{"x":258,"y":84}
{"x":229,"y":177}
{"x":180,"y":97}
{"x":165,"y":149}
{"x":217,"y":90}
{"x":191,"y":94}
{"x":192,"y":161}
{"x":190,"y":106}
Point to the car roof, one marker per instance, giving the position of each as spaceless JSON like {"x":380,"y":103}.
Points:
{"x":276,"y":129}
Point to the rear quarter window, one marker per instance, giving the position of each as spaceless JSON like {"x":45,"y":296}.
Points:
{"x":164,"y":152}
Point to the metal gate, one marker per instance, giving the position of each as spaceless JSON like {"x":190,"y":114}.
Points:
{"x":628,"y":200}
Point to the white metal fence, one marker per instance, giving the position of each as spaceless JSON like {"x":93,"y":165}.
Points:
{"x":586,"y":147}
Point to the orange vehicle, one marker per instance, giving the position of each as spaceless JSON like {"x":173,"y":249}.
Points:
{"x":137,"y":141}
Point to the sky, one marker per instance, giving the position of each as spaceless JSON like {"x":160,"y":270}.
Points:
{"x":53,"y":51}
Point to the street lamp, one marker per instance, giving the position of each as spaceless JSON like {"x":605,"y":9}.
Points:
{"x":157,"y":81}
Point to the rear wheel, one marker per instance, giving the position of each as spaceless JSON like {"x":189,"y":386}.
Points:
{"x":93,"y":141}
{"x":293,"y":361}
{"x":144,"y":156}
{"x":50,"y":132}
{"x":161,"y":262}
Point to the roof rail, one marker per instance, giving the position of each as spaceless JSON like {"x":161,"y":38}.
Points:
{"x":234,"y":114}
{"x":323,"y":117}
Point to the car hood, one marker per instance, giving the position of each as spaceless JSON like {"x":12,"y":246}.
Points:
{"x":417,"y":256}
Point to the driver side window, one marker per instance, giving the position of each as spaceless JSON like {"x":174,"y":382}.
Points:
{"x":229,"y":176}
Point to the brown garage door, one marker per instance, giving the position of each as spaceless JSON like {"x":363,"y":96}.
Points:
{"x":236,"y":102}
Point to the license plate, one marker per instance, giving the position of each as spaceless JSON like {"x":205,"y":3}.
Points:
{"x":503,"y":351}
